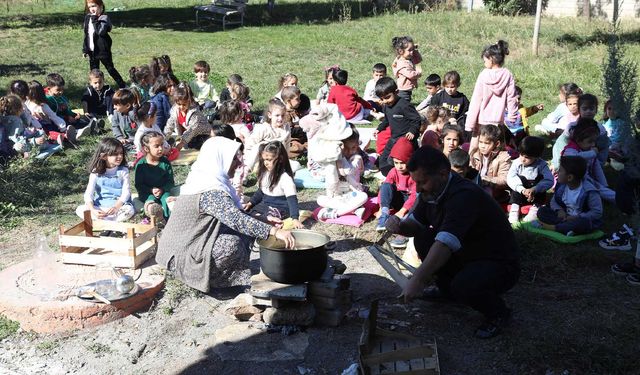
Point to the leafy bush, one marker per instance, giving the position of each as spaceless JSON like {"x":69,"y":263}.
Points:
{"x":512,"y":7}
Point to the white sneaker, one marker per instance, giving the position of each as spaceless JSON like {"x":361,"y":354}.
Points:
{"x":540,"y":129}
{"x":531,"y":215}
{"x":83,"y":132}
{"x":514,"y":214}
{"x":359,"y":212}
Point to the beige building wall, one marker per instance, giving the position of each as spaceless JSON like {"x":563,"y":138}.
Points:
{"x":573,"y":8}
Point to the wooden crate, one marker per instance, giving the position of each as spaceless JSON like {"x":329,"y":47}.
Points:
{"x":79,"y":245}
{"x":386,"y":352}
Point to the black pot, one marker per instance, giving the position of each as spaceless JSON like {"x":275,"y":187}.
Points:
{"x":294,"y":266}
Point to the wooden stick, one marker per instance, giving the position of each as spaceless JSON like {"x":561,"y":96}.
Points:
{"x":88,"y":224}
{"x":395,"y":274}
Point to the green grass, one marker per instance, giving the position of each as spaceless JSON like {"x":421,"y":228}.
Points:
{"x":7,"y":327}
{"x":585,"y":318}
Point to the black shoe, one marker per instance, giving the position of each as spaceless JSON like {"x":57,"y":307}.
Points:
{"x":492,"y":327}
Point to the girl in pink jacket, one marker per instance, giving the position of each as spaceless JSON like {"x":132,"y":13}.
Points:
{"x":495,"y":91}
{"x":404,"y":66}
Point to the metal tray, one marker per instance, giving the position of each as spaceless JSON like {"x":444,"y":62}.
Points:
{"x":110,"y":285}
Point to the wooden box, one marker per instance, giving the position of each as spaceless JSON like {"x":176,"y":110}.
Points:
{"x":386,"y":352}
{"x":79,"y":245}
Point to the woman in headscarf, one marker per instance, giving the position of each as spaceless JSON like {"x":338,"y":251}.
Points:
{"x":206,"y":244}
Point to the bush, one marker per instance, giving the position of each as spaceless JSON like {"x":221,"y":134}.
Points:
{"x":512,"y":7}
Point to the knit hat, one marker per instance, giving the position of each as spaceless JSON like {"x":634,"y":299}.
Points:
{"x":402,"y":150}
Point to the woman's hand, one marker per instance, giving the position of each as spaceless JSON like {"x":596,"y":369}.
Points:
{"x":286,"y":236}
{"x":297,"y":224}
{"x":246,"y":206}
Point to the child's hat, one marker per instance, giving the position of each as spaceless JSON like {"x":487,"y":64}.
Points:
{"x":402,"y":150}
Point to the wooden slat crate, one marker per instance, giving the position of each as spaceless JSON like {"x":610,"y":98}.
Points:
{"x":79,"y":245}
{"x":393,"y":353}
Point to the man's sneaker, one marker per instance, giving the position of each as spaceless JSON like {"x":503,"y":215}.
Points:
{"x":620,"y":240}
{"x":624,"y":269}
{"x":634,"y":279}
{"x":327,"y":213}
{"x":531,"y":215}
{"x":85,"y":131}
{"x":492,"y":327}
{"x":400,"y":242}
{"x":381,"y":222}
{"x":72,"y":135}
{"x":100,"y":125}
{"x":60,"y":140}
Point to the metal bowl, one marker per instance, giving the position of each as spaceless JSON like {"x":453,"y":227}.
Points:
{"x":306,"y":262}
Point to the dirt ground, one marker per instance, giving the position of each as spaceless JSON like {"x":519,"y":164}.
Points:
{"x":556,"y":327}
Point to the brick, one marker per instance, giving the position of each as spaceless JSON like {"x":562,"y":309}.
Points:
{"x":342,"y":299}
{"x":329,"y":317}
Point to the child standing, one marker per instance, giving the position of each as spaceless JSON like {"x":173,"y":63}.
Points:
{"x":154,"y":177}
{"x":123,"y":123}
{"x":379,"y":71}
{"x":406,"y":66}
{"x":432,"y":84}
{"x":550,"y":123}
{"x":60,"y":105}
{"x":576,"y":207}
{"x":398,"y":191}
{"x":187,"y":120}
{"x":97,"y":100}
{"x":352,"y":106}
{"x":108,"y":196}
{"x":492,"y":162}
{"x":97,"y":42}
{"x":494,"y":91}
{"x":450,"y":98}
{"x":276,"y":198}
{"x":162,"y":91}
{"x":274,"y":129}
{"x":529,"y":179}
{"x":399,"y":115}
{"x":582,"y":143}
{"x":203,"y":91}
{"x":53,"y":126}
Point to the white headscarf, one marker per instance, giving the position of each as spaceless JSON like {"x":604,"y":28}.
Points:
{"x":209,"y":172}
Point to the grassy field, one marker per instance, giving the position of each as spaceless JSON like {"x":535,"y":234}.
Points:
{"x":590,"y":317}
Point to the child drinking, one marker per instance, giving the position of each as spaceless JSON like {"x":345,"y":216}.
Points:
{"x":582,"y":143}
{"x":203,"y":91}
{"x":274,"y":129}
{"x":450,"y":98}
{"x":398,"y":191}
{"x":123,"y":123}
{"x":433,"y":86}
{"x":141,"y":81}
{"x":107,"y":195}
{"x":154,"y":177}
{"x":54,"y":126}
{"x":399,"y":115}
{"x":97,"y":42}
{"x":231,"y":113}
{"x":550,"y":123}
{"x":379,"y":70}
{"x":97,"y":100}
{"x":352,"y":106}
{"x":323,"y":91}
{"x":405,"y":68}
{"x":576,"y":207}
{"x":162,"y":90}
{"x":492,"y":162}
{"x":187,"y":120}
{"x":494,"y":91}
{"x":276,"y":198}
{"x":529,"y":179}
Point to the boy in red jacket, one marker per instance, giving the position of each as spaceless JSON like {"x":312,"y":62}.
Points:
{"x":398,"y":191}
{"x":350,"y":104}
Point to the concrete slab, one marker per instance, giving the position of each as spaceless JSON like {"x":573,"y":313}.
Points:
{"x":44,"y":299}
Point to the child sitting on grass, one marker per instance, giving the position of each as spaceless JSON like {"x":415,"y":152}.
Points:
{"x":108,"y":196}
{"x":123,"y":123}
{"x":459,"y":160}
{"x":379,"y":70}
{"x":433,"y":85}
{"x":520,"y":127}
{"x":398,"y":191}
{"x":323,"y":91}
{"x":146,"y":120}
{"x":549,"y":124}
{"x":352,"y":106}
{"x":436,"y":117}
{"x":142,"y":80}
{"x":273,"y":129}
{"x":231,"y":113}
{"x":203,"y":91}
{"x":399,"y":115}
{"x":529,"y":179}
{"x":287,"y":80}
{"x":576,"y":207}
{"x":154,"y":177}
{"x":452,"y":99}
{"x":54,"y":126}
{"x":97,"y":100}
{"x":60,"y":105}
{"x":162,"y":92}
{"x":186,"y":120}
{"x":492,"y":162}
{"x":451,"y":138}
{"x":276,"y":199}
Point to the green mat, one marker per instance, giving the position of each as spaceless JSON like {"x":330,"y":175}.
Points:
{"x":559,"y":237}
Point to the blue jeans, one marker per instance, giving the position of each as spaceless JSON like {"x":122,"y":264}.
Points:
{"x":391,"y":198}
{"x":579,"y":225}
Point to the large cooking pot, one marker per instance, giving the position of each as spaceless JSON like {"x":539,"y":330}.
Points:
{"x":306,"y":262}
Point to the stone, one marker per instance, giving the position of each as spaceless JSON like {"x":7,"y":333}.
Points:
{"x":301,"y":314}
{"x":329,"y":317}
{"x":242,"y":307}
{"x":246,"y":342}
{"x":263,"y":287}
{"x":341,"y":300}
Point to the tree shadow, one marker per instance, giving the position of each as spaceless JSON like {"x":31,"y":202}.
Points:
{"x":597,"y":37}
{"x":183,"y":19}
{"x":25,"y":68}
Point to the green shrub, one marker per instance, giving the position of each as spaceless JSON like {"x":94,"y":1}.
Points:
{"x":512,"y":7}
